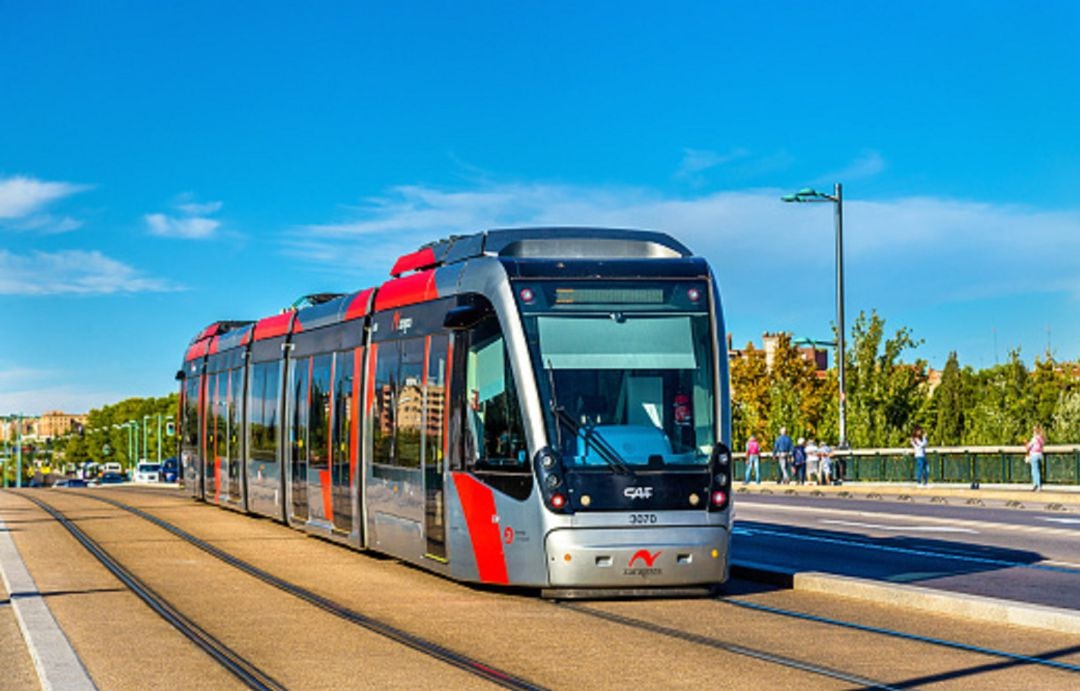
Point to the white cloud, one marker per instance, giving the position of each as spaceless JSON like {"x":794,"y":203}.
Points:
{"x":197,"y":209}
{"x":697,"y":161}
{"x":867,"y":165}
{"x":71,"y":272}
{"x":193,"y":222}
{"x":39,"y":399}
{"x":918,"y":250}
{"x":186,"y":228}
{"x":22,"y":196}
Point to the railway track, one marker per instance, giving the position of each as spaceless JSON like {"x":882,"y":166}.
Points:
{"x":244,"y":670}
{"x":728,"y":646}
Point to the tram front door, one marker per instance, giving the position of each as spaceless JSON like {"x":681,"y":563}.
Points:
{"x":436,"y":404}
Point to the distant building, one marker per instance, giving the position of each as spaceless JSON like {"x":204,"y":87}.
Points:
{"x":52,"y":424}
{"x":808,"y":350}
{"x":55,"y":423}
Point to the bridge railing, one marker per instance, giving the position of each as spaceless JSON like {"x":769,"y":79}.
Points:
{"x":983,"y":464}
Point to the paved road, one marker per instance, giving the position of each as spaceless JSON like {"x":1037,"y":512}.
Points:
{"x":1016,"y":554}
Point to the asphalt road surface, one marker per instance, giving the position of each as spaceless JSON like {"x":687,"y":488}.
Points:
{"x":1015,"y":554}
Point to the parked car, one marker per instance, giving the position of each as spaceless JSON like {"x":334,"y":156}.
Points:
{"x":71,"y":482}
{"x":109,"y":479}
{"x":170,"y":470}
{"x":146,"y":472}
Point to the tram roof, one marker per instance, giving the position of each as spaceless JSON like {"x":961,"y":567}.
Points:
{"x":412,"y":276}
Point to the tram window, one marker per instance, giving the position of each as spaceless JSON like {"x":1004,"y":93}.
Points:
{"x":191,"y":412}
{"x":384,"y":406}
{"x":409,"y":414}
{"x":220,"y":448}
{"x":236,"y":392}
{"x":343,"y":411}
{"x":319,"y":414}
{"x":263,"y":411}
{"x":298,"y":430}
{"x":435,"y":401}
{"x":494,"y":435}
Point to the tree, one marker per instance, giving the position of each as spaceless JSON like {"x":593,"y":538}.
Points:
{"x":750,"y":395}
{"x":883,"y":394}
{"x":951,"y":400}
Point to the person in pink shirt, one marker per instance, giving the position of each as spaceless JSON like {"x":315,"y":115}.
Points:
{"x":1034,"y":457}
{"x":753,"y":454}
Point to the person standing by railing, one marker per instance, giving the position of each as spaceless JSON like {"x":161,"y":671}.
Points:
{"x":1034,"y":457}
{"x":781,"y":449}
{"x":798,"y":460}
{"x":753,"y":454}
{"x":918,"y":447}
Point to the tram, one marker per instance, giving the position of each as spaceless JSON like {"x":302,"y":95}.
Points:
{"x":537,"y":407}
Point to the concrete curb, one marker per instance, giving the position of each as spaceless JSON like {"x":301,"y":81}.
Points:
{"x":1062,"y":500}
{"x":974,"y":607}
{"x":57,"y":664}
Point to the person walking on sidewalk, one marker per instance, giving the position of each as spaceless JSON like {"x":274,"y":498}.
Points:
{"x":1034,"y":457}
{"x":753,"y":454}
{"x":918,"y":447}
{"x":781,"y":449}
{"x":798,"y":462}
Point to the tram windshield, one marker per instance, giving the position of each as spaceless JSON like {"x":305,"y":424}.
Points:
{"x":626,"y":387}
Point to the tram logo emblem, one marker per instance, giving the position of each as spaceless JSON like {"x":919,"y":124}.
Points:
{"x":638,"y":492}
{"x":645,"y":556}
{"x":399,"y":324}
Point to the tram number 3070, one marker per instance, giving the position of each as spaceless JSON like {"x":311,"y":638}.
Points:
{"x":643,"y":519}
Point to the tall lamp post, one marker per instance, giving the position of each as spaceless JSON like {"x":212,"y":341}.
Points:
{"x":837,"y":198}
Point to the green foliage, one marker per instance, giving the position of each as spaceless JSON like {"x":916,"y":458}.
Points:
{"x":109,"y":432}
{"x":888,"y":394}
{"x":884,"y":395}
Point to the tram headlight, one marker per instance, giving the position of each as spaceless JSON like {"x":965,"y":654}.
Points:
{"x":694,"y":499}
{"x":719,"y":497}
{"x":723,"y":458}
{"x":721,"y":479}
{"x":553,"y":481}
{"x":586,"y":500}
{"x":558,"y":501}
{"x":548,"y":461}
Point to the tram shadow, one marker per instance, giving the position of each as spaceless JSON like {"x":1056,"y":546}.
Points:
{"x":786,"y":550}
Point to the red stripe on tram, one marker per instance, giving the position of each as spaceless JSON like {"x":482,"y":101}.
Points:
{"x":478,"y":505}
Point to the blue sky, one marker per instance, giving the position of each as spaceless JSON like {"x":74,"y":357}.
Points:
{"x":165,"y":165}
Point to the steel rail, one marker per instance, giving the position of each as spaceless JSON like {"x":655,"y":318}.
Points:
{"x":942,"y":642}
{"x":422,"y":645}
{"x":228,"y":658}
{"x":727,"y":646}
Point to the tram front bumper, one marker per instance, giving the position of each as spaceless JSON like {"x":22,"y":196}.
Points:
{"x":638,"y":557}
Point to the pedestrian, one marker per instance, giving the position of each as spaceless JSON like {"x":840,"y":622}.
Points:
{"x":753,"y":454}
{"x":781,"y":449}
{"x":798,"y":461}
{"x":1034,"y":457}
{"x":918,"y":447}
{"x":812,"y":459}
{"x":825,"y":464}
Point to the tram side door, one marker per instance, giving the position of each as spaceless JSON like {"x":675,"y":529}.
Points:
{"x":298,"y":438}
{"x":436,"y":409}
{"x":319,"y":487}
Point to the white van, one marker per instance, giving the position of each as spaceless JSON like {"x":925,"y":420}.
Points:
{"x":147,"y":472}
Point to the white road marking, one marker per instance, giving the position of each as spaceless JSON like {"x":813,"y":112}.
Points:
{"x":905,"y":528}
{"x":1067,"y":521}
{"x":1042,"y":530}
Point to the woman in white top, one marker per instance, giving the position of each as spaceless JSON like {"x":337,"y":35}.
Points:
{"x":812,"y":459}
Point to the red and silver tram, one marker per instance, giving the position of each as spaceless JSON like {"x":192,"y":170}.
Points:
{"x":542,"y":407}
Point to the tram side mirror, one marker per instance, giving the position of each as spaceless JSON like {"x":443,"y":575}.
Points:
{"x":180,"y":375}
{"x":464,"y":317}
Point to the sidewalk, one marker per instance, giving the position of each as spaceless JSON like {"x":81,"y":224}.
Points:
{"x":1051,"y":497}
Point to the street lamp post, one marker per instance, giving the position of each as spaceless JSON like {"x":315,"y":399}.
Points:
{"x":837,"y":198}
{"x":145,"y":429}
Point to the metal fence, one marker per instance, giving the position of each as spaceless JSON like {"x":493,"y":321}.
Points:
{"x":985,"y":464}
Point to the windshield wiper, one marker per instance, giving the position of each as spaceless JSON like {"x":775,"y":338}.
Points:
{"x":604,"y":450}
